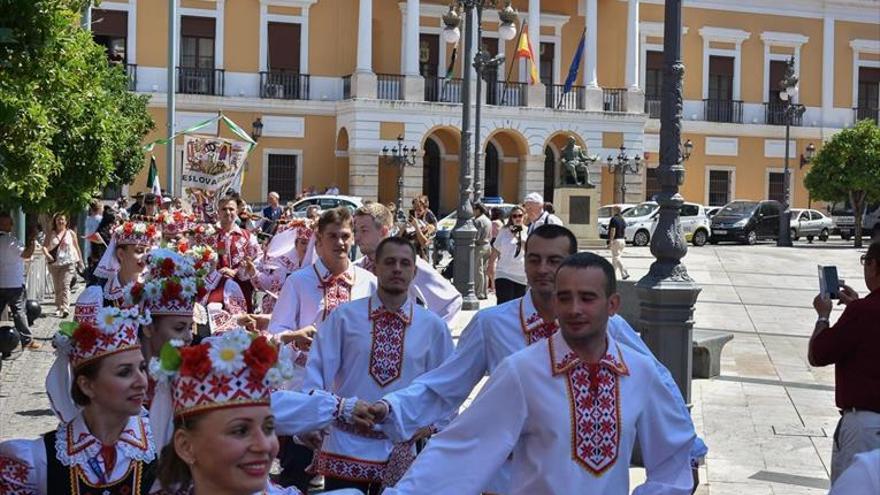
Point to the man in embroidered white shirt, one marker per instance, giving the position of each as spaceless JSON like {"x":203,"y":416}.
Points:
{"x":236,"y":249}
{"x":307,"y":298}
{"x":568,"y":409}
{"x":372,"y":223}
{"x":368,"y":348}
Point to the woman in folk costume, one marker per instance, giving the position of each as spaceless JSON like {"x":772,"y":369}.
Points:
{"x":291,"y":248}
{"x":223,"y":435}
{"x":122,"y":264}
{"x":96,"y":386}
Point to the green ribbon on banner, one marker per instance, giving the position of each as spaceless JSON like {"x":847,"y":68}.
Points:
{"x":232,"y":126}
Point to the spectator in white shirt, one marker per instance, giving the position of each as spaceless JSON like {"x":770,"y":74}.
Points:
{"x":506,"y":263}
{"x":534,"y":205}
{"x":12,"y":256}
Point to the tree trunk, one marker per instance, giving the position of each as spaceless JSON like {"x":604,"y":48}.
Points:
{"x":857,"y":199}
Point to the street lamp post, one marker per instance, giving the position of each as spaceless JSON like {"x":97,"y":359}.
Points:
{"x":401,"y":156}
{"x":464,"y":232}
{"x":789,"y":86}
{"x":621,"y":165}
{"x":667,"y":293}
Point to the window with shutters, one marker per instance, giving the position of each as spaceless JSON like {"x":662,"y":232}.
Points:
{"x":281,"y":175}
{"x":284,"y":45}
{"x":869,"y":88}
{"x":719,"y":187}
{"x":546,"y":58}
{"x":654,"y":75}
{"x":652,"y":183}
{"x":720,"y":78}
{"x":197,"y":42}
{"x":775,"y":186}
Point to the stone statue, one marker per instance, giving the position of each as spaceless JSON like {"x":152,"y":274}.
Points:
{"x":575,"y":165}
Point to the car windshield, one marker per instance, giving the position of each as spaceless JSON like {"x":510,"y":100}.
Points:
{"x":641,"y":210}
{"x":738,"y":208}
{"x":605,"y":211}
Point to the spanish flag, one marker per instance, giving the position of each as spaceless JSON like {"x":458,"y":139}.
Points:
{"x":524,"y":49}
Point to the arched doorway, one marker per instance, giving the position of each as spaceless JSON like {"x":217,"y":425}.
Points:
{"x":431,"y":173}
{"x":549,"y":173}
{"x":490,"y":172}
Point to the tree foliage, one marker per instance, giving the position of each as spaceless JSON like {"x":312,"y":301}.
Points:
{"x":68,"y":124}
{"x":848,"y":168}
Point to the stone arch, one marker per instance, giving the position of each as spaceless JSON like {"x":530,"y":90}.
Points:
{"x":512,"y":148}
{"x":341,"y":166}
{"x":441,"y":185}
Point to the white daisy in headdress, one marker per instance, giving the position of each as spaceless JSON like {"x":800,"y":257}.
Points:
{"x":188,"y":287}
{"x":152,"y":290}
{"x":227,"y":356}
{"x":109,"y":319}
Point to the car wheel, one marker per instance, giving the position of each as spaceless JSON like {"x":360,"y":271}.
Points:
{"x":823,"y":236}
{"x":641,"y":238}
{"x":751,"y":238}
{"x":794,"y":235}
{"x":700,"y":238}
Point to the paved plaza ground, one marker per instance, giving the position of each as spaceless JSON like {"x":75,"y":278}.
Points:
{"x":768,"y":419}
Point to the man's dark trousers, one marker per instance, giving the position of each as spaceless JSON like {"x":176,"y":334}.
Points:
{"x":14,"y":298}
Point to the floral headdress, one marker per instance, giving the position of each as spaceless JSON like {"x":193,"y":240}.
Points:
{"x":233,"y":369}
{"x":77,"y":344}
{"x":174,"y":282}
{"x":175,"y":222}
{"x":202,"y":233}
{"x":129,"y":233}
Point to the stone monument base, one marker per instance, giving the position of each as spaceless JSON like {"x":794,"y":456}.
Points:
{"x":578,"y":208}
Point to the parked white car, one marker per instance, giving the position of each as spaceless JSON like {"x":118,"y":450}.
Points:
{"x":605,"y":214}
{"x":326,"y":202}
{"x":810,"y":224}
{"x":695,"y":225}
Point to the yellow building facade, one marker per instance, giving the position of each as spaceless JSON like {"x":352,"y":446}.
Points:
{"x":335,"y":81}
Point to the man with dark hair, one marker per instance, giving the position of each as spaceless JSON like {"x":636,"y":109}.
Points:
{"x":237,"y":250}
{"x":366,"y":349}
{"x":566,"y":410}
{"x":12,"y":294}
{"x":851,"y":345}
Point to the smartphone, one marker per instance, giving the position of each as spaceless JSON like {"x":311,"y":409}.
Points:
{"x":829,"y":283}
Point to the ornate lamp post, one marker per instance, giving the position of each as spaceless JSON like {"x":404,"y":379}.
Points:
{"x":400,"y":156}
{"x":622,"y":165}
{"x":792,"y":110}
{"x":464,"y":232}
{"x":667,"y":293}
{"x":257,"y":132}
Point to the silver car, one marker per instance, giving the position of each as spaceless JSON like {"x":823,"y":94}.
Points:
{"x":810,"y":224}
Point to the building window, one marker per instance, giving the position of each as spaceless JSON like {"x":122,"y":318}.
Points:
{"x":869,"y":93}
{"x":110,"y":30}
{"x":652,"y":183}
{"x":282,"y":176}
{"x":719,"y":187}
{"x":653,"y":83}
{"x":284,"y":40}
{"x":546,"y":58}
{"x":775,"y":186}
{"x":429,"y":55}
{"x":197,"y":42}
{"x":720,"y":78}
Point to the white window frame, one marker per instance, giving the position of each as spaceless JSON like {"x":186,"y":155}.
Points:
{"x":264,"y":175}
{"x":858,"y":47}
{"x":731,"y":186}
{"x":723,"y":35}
{"x":302,"y":20}
{"x":131,"y":26}
{"x":787,"y":40}
{"x":218,"y":15}
{"x":650,"y":30}
{"x":779,"y":170}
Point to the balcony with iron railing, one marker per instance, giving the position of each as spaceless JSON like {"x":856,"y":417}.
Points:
{"x":389,"y":86}
{"x":506,"y":94}
{"x":774,"y":114}
{"x":284,"y":85}
{"x":870,"y":113}
{"x":558,"y":98}
{"x":652,"y":106}
{"x":730,"y":111}
{"x":197,"y":81}
{"x":614,"y":99}
{"x":441,"y":89}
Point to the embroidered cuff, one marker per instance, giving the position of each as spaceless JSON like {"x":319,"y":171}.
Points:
{"x":345,"y":409}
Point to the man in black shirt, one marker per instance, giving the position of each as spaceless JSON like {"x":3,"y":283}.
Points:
{"x":617,"y":241}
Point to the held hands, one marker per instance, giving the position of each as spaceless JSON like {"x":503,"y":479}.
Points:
{"x":368,"y":415}
{"x":227,"y":272}
{"x":301,"y":338}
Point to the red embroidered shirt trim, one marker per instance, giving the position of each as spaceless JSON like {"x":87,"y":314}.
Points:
{"x":534,"y":327}
{"x":336,"y":289}
{"x":388,"y":336}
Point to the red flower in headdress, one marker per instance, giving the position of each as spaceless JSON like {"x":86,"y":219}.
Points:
{"x":151,"y":230}
{"x":171,"y":290}
{"x":85,"y":336}
{"x":137,"y":290}
{"x":194,"y":361}
{"x":259,"y":357}
{"x":167,"y":267}
{"x":128,"y":228}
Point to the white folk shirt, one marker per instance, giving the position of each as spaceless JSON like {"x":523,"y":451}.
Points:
{"x":366,"y":351}
{"x":429,"y":287}
{"x":570,"y":428}
{"x":24,"y":466}
{"x":307,"y":297}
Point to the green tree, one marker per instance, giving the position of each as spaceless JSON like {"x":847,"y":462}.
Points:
{"x":848,"y":167}
{"x":68,"y":124}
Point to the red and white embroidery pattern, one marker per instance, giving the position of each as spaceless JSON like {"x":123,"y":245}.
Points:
{"x":14,"y":476}
{"x":337,"y":290}
{"x":595,"y":412}
{"x":534,"y":327}
{"x":348,"y":468}
{"x":401,"y":458}
{"x":386,"y":352}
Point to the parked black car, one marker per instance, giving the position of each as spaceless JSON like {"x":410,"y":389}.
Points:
{"x":746,"y":222}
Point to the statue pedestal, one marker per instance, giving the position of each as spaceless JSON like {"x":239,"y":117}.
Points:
{"x":578,"y":208}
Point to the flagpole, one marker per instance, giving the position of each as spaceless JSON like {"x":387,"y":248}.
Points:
{"x":581,"y":47}
{"x":515,"y":58}
{"x":170,"y":98}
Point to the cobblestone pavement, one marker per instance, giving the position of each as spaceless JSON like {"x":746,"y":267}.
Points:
{"x":768,"y":419}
